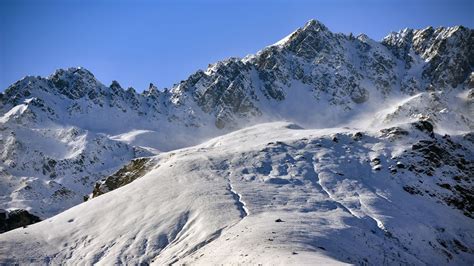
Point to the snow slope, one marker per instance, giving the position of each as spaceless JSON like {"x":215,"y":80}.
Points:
{"x":275,"y":194}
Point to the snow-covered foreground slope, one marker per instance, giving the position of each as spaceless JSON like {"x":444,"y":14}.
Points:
{"x":60,"y":134}
{"x":276,"y":194}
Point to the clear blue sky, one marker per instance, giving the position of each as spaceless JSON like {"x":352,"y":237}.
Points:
{"x":138,"y":42}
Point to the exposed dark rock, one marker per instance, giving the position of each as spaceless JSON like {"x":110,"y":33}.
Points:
{"x":400,"y":165}
{"x":377,"y":167}
{"x":127,"y":174}
{"x":115,"y":85}
{"x":10,"y":220}
{"x":412,"y":190}
{"x":432,"y":156}
{"x":393,"y":170}
{"x":357,"y":136}
{"x":424,"y":125}
{"x":445,"y":185}
{"x":394,"y":132}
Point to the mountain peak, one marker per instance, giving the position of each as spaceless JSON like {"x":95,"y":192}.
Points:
{"x":310,"y":28}
{"x":152,"y":90}
{"x":314,"y":25}
{"x":78,"y":71}
{"x":115,"y":85}
{"x":74,"y":82}
{"x":308,"y":40}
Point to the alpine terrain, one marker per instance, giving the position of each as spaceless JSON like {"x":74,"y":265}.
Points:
{"x":322,"y":148}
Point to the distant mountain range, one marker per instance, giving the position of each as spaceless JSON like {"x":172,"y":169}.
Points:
{"x":377,"y":137}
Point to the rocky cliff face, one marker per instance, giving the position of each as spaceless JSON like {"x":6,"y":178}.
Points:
{"x":446,"y":67}
{"x":342,"y":71}
{"x":60,"y":134}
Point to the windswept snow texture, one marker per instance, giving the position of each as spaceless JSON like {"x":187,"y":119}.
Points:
{"x":268,"y":194}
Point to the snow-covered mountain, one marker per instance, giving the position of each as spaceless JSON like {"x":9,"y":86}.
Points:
{"x":388,"y":163}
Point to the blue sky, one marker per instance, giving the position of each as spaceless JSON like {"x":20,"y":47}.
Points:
{"x":138,"y":42}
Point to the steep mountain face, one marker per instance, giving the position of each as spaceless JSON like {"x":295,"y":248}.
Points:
{"x":61,"y":134}
{"x":447,"y":67}
{"x":315,"y":66}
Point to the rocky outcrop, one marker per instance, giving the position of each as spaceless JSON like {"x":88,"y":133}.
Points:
{"x":10,"y":220}
{"x":127,"y":174}
{"x":442,"y":158}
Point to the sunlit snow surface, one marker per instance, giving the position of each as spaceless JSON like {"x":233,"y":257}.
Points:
{"x":219,"y":202}
{"x":371,"y":179}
